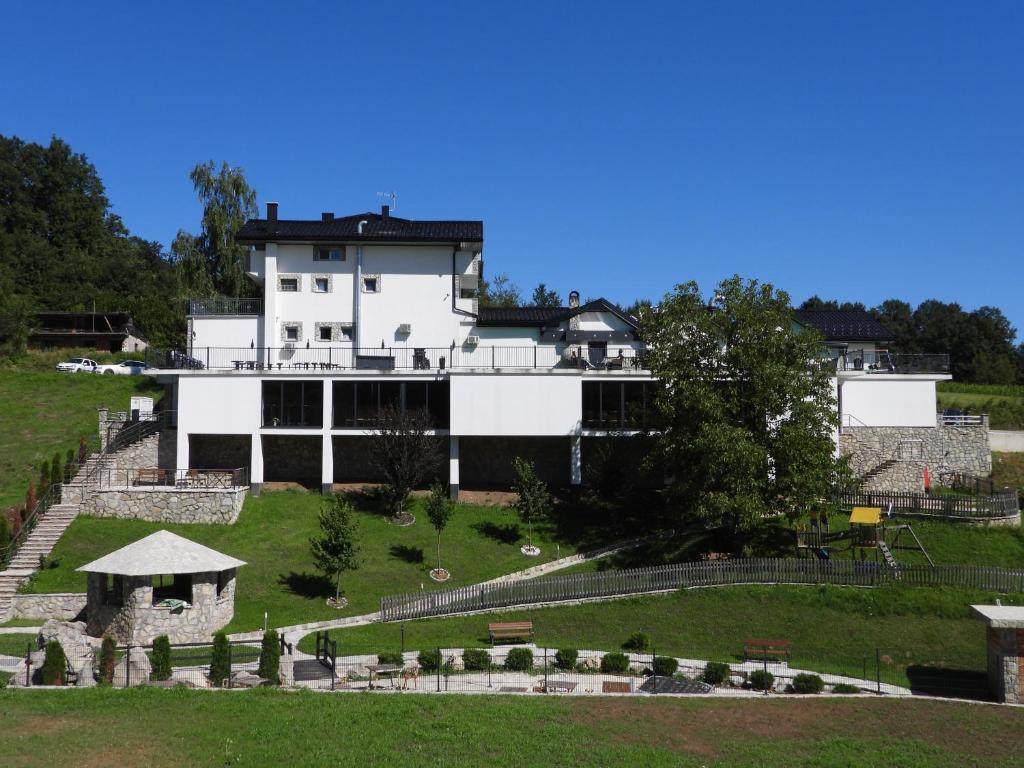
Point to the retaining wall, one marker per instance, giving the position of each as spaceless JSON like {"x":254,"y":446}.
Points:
{"x":1007,"y":440}
{"x":57,"y":605}
{"x":166,"y":505}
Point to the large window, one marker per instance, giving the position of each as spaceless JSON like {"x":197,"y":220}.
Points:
{"x":359,"y":403}
{"x":293,"y":403}
{"x":619,"y":405}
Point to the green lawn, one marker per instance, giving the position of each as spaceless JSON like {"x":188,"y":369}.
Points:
{"x":43,"y":411}
{"x":14,"y":644}
{"x":272,"y":536}
{"x":1005,"y":411}
{"x":272,"y":728}
{"x":832,"y":628}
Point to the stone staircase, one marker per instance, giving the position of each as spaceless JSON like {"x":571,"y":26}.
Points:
{"x":874,"y":472}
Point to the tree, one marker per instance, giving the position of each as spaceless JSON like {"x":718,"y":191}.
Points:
{"x":56,"y":470}
{"x":748,"y":412}
{"x":499,"y":292}
{"x":533,"y":502}
{"x":108,"y":660}
{"x":160,"y":658}
{"x":55,"y":664}
{"x":439,"y":510}
{"x":542,"y":297}
{"x":44,"y":477}
{"x":30,"y":499}
{"x":336,"y":550}
{"x":405,"y":453}
{"x":270,"y":658}
{"x":898,"y":317}
{"x":220,"y":660}
{"x":638,"y":308}
{"x":212,"y":261}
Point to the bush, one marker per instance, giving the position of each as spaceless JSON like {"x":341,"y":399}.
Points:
{"x":392,"y":657}
{"x":805,"y":683}
{"x":716,"y":672}
{"x":638,"y":641}
{"x":69,"y":458}
{"x":220,"y":660}
{"x":108,"y":659}
{"x":665,"y":666}
{"x":5,"y":533}
{"x":160,"y":659}
{"x":845,"y":688}
{"x":519,"y":660}
{"x":270,"y":658}
{"x":56,"y":470}
{"x":4,"y":679}
{"x":565,"y":658}
{"x":429,"y":661}
{"x":761,"y":680}
{"x":476,"y":659}
{"x":614,"y":663}
{"x":55,"y":664}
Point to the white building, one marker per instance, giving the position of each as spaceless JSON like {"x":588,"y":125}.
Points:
{"x":361,"y":311}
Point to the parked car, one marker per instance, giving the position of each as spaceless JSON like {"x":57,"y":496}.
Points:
{"x":76,"y":364}
{"x":123,"y":368}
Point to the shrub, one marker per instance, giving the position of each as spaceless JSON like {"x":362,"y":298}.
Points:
{"x":805,"y":683}
{"x":845,"y":688}
{"x":55,"y":664}
{"x":4,"y":678}
{"x":429,"y":661}
{"x":160,"y":658}
{"x":70,"y":457}
{"x":638,"y":641}
{"x":391,"y":657}
{"x":715,"y":672}
{"x":56,"y":470}
{"x":614,"y":663}
{"x":761,"y":680}
{"x":30,"y":500}
{"x":5,"y":533}
{"x":476,"y":659}
{"x":83,"y":451}
{"x":270,"y":658}
{"x":108,"y":659}
{"x":665,"y":666}
{"x":220,"y":660}
{"x":565,"y":658}
{"x":44,"y":477}
{"x":519,"y":660}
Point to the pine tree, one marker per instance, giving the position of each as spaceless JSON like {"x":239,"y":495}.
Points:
{"x":54,"y":664}
{"x":270,"y":658}
{"x":160,"y":659}
{"x":108,"y":659}
{"x":220,"y":660}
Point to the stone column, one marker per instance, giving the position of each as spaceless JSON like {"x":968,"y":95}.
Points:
{"x":103,"y":416}
{"x":453,"y":467}
{"x":256,"y":464}
{"x":576,"y":460}
{"x":327,"y":464}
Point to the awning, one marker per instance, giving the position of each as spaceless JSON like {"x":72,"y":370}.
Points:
{"x":866,"y":516}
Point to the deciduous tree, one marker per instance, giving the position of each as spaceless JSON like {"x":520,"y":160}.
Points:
{"x":336,"y":549}
{"x":533,"y":502}
{"x":405,"y":453}
{"x":439,"y":510}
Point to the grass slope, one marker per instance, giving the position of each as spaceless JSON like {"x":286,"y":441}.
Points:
{"x":14,"y":644}
{"x":269,"y":728}
{"x":272,"y":536}
{"x":42,"y":412}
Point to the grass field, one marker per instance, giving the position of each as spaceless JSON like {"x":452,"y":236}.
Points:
{"x":272,"y":536}
{"x":45,"y":411}
{"x":831,"y":628}
{"x":1003,"y":403}
{"x":14,"y":644}
{"x":267,"y":728}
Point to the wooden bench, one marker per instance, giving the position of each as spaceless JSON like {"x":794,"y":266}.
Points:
{"x":761,"y":649}
{"x":522,"y":630}
{"x":612,"y":686}
{"x":150,"y":476}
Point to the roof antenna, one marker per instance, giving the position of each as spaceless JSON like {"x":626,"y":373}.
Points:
{"x":389,"y":199}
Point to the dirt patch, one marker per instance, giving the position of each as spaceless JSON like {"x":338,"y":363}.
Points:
{"x":702,"y":728}
{"x":488,"y":498}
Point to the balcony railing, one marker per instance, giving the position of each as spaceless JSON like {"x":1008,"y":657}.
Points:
{"x":223,"y":305}
{"x":624,"y":360}
{"x":882,"y":361}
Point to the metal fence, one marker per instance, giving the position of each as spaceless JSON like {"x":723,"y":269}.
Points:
{"x":603,"y":584}
{"x":150,"y":477}
{"x":883,"y":361}
{"x":982,"y":505}
{"x":225,"y":305}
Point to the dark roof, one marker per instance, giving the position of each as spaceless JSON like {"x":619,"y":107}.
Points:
{"x":377,"y":229}
{"x":844,"y":324}
{"x":534,"y":317}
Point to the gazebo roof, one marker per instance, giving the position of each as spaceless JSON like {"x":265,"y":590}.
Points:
{"x":161,"y":552}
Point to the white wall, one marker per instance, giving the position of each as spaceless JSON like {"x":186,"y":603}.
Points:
{"x":214,"y":405}
{"x":226,"y":331}
{"x":525,"y":404}
{"x":886,"y":400}
{"x":601,"y":321}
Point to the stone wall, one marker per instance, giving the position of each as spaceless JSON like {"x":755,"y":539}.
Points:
{"x":137,"y":621}
{"x":1006,"y":664}
{"x":486,"y":462}
{"x":57,"y":605}
{"x":940,"y":449}
{"x":166,"y":505}
{"x":354,"y":463}
{"x":294,"y":458}
{"x":219,"y":451}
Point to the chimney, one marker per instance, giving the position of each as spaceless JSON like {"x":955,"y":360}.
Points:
{"x":385,"y":212}
{"x":326,"y":216}
{"x":272,"y":213}
{"x":574,"y":299}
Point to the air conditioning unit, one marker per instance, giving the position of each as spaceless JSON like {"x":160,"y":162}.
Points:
{"x":472,"y":340}
{"x":405,"y":328}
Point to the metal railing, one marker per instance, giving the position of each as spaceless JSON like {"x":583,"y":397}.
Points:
{"x":153,"y":477}
{"x":883,"y":361}
{"x":316,"y":358}
{"x":961,"y":419}
{"x":604,"y":584}
{"x":225,"y":305}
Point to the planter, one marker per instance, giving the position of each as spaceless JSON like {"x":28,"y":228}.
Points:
{"x":439,"y":574}
{"x":337,"y":603}
{"x":529,"y":550}
{"x":402,"y":520}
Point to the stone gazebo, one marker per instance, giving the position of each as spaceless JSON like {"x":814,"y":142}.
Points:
{"x":163,"y":584}
{"x":1005,"y":642}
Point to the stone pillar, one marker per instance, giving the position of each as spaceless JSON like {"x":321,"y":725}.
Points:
{"x":575,"y":460}
{"x":256,"y":465}
{"x":327,"y":465}
{"x":1005,"y":650}
{"x":453,"y":467}
{"x":103,"y":416}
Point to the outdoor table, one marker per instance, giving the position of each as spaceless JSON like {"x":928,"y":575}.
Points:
{"x":238,"y":364}
{"x":387,"y":670}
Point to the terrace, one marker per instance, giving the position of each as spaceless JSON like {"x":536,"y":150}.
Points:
{"x":881,"y":361}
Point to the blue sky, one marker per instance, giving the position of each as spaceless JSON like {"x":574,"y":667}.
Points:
{"x":858,"y":150}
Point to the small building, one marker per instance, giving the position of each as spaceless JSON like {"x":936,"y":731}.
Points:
{"x":163,"y":584}
{"x":102,"y":331}
{"x":1005,"y":643}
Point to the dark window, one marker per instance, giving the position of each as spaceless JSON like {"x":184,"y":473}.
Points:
{"x":290,"y":284}
{"x":291,"y":333}
{"x":334,"y":253}
{"x":325,"y":333}
{"x":173,"y":587}
{"x":618,"y":405}
{"x":370,"y":284}
{"x":358,"y":404}
{"x":113,"y":589}
{"x":321,"y":284}
{"x":223,"y":579}
{"x":293,"y":403}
